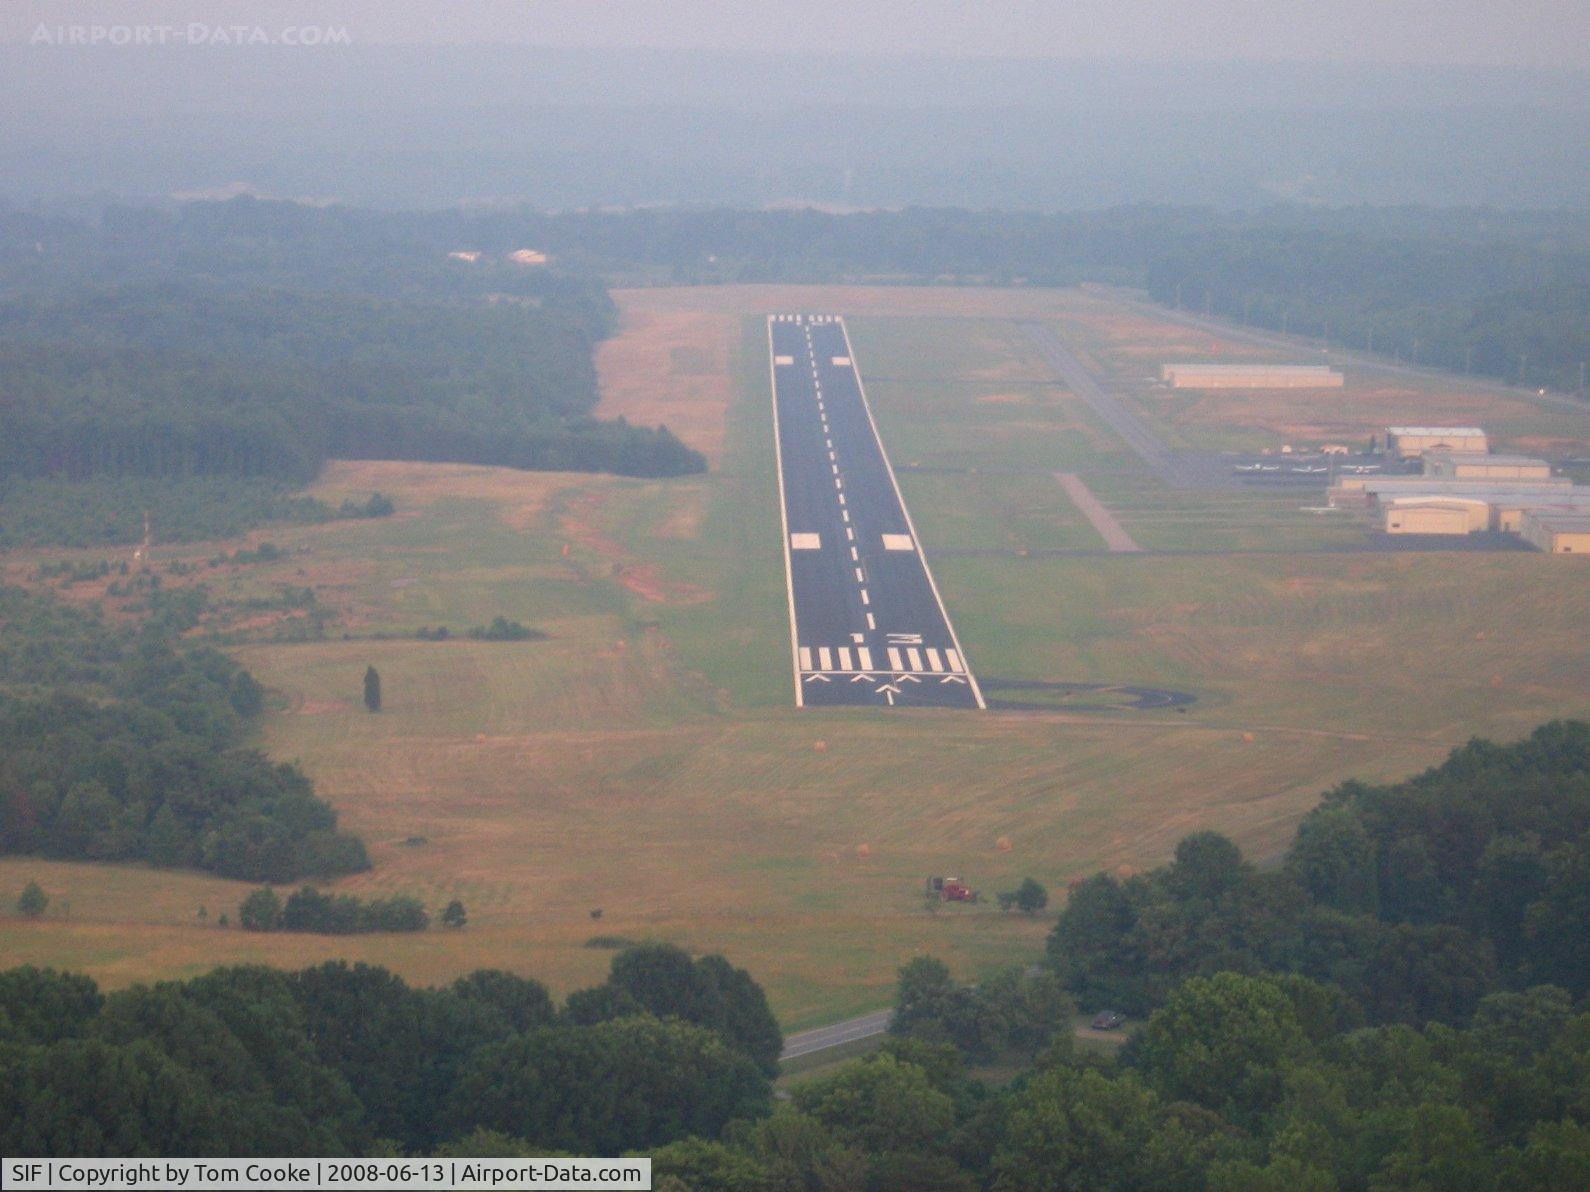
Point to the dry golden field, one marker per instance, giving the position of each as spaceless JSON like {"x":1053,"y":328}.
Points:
{"x":644,"y":760}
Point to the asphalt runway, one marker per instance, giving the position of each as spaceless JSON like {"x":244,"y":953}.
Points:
{"x":867,"y":626}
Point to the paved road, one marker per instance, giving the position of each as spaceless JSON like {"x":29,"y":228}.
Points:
{"x":824,"y":1037}
{"x":867,"y":625}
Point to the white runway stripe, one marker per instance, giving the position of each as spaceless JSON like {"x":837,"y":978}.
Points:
{"x":824,"y":658}
{"x":894,"y":660}
{"x":806,"y":658}
{"x":871,"y":624}
{"x":933,"y":659}
{"x":866,"y":599}
{"x":844,"y":658}
{"x":914,"y":658}
{"x":864,"y":657}
{"x":954,"y":659}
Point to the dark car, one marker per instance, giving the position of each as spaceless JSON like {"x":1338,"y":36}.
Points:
{"x":1109,"y":1020}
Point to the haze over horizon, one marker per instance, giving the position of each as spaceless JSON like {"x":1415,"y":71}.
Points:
{"x":1539,"y":34}
{"x":641,"y":102}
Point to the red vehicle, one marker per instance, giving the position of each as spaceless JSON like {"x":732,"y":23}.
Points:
{"x":951,"y":889}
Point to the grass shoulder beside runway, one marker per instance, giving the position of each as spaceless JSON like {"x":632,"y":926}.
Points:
{"x":644,"y":759}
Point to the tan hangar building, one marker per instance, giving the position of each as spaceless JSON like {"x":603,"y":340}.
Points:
{"x":1476,"y":465}
{"x":1406,"y":442}
{"x":1557,"y":533}
{"x":1250,"y":376}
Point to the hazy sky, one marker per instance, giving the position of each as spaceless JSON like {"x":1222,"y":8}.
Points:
{"x":1536,"y":33}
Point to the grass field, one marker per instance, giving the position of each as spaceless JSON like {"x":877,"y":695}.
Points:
{"x":644,"y":760}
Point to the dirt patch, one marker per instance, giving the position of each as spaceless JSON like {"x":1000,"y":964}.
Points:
{"x":579,"y":527}
{"x":644,"y":580}
{"x":669,"y":367}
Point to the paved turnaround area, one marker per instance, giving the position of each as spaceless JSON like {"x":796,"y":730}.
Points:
{"x":867,"y":625}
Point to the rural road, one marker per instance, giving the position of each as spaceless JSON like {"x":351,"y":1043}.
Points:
{"x":823,"y":1037}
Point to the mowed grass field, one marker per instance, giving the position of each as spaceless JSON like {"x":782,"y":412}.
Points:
{"x":646,"y":761}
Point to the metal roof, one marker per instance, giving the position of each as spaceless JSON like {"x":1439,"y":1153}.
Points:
{"x":1553,"y":520}
{"x":1194,"y":366}
{"x":1484,"y":457}
{"x":1453,"y":486}
{"x":1427,"y":431}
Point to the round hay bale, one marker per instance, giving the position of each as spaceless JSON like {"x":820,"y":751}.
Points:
{"x":480,"y":736}
{"x":863,"y":851}
{"x":1124,"y":871}
{"x":1248,"y":737}
{"x":820,"y":746}
{"x":1002,"y":844}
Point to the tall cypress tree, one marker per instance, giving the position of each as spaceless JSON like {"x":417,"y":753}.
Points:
{"x":372,"y":689}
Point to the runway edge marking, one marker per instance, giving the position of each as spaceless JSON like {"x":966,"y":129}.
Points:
{"x":783,"y":516}
{"x":971,"y":679}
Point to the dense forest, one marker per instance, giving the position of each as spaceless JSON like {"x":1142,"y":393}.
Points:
{"x":252,"y":342}
{"x":120,"y":743}
{"x":1246,"y":1075}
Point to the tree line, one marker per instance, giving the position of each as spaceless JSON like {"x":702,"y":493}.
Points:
{"x":1417,"y":899}
{"x":312,"y":910}
{"x":349,"y":1059}
{"x":121,"y":743}
{"x":1496,"y":293}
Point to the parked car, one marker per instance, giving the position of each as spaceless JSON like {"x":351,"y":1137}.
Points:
{"x":1109,"y":1020}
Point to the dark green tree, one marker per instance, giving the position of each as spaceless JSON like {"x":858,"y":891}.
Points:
{"x":634,"y":1083}
{"x":1334,"y":860}
{"x":372,"y":689}
{"x":1222,"y":1042}
{"x":1076,"y":1129}
{"x":260,"y":911}
{"x":1031,"y":897}
{"x":523,"y":1002}
{"x":454,"y":915}
{"x":33,"y":901}
{"x":43,"y":1005}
